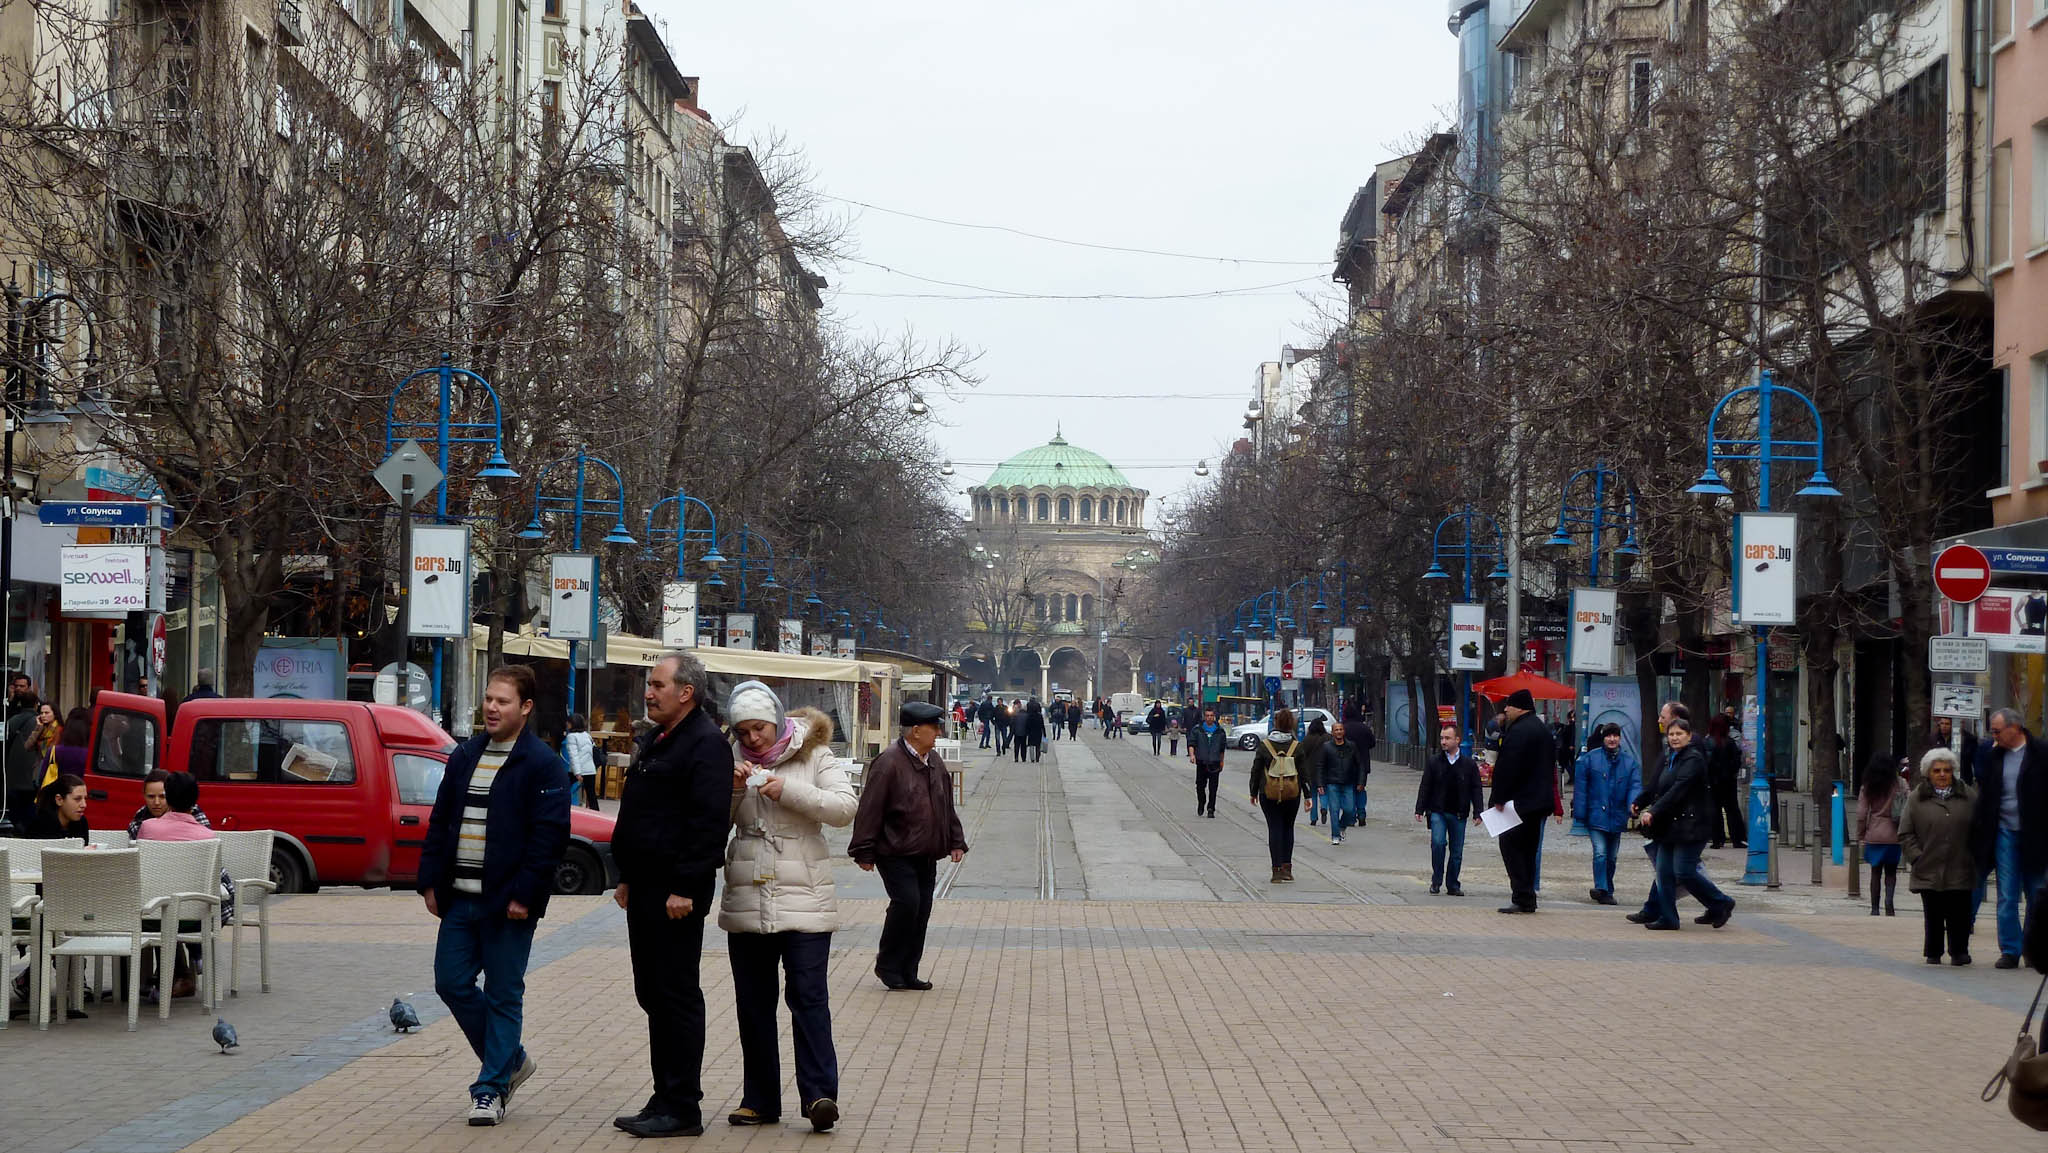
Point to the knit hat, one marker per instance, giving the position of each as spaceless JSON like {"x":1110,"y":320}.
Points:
{"x":753,"y":701}
{"x":1520,"y":699}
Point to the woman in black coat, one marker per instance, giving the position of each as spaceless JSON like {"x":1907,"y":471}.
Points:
{"x":1680,"y":815}
{"x":1032,"y":732}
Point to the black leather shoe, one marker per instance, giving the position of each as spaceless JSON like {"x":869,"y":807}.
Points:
{"x":1455,"y":891}
{"x":916,"y":984}
{"x":2006,"y":961}
{"x":1641,"y":918}
{"x":1959,"y":960}
{"x":823,"y":1114}
{"x":1661,"y":925}
{"x":659,"y":1125}
{"x":625,"y":1119}
{"x":1720,"y":916}
{"x":1514,"y":909}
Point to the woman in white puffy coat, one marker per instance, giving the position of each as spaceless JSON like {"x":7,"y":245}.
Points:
{"x":778,"y":906}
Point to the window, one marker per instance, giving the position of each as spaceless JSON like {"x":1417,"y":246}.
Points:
{"x":1073,"y":607}
{"x":1998,"y":210}
{"x":1003,"y":507}
{"x":1066,"y":509}
{"x":1041,"y":608}
{"x":1087,"y":606}
{"x":125,"y":745}
{"x":1120,"y":510}
{"x":419,"y":778}
{"x":1642,"y":90}
{"x":2001,"y":20}
{"x":2038,"y":195}
{"x":2037,"y":415}
{"x":552,"y":9}
{"x":272,"y":752}
{"x":1087,"y":509}
{"x":1044,"y":508}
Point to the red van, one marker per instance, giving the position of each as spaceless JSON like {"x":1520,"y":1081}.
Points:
{"x":348,"y":786}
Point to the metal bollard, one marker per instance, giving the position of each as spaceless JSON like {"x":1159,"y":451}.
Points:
{"x":1839,"y":823}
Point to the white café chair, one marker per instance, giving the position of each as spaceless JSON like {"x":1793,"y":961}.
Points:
{"x":91,"y":907}
{"x":111,"y":838}
{"x":24,"y":914}
{"x":181,"y":878}
{"x":245,"y":854}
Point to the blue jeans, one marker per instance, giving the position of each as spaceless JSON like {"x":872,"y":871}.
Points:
{"x":1446,"y":835}
{"x":1336,"y":801}
{"x":1678,"y":867}
{"x":1606,"y":847}
{"x":474,"y":940}
{"x":2014,"y":891}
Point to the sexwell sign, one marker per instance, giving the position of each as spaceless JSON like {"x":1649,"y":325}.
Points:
{"x":107,"y":578}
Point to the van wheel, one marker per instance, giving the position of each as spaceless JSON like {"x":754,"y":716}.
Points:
{"x":287,"y":872}
{"x":579,"y":872}
{"x":1247,"y":742}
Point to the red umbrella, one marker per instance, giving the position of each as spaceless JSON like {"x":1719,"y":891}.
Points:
{"x":1540,"y":687}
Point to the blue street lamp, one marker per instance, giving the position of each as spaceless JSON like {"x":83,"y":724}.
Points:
{"x":1761,"y":445}
{"x":442,"y":434}
{"x":683,"y":535}
{"x":1611,"y":509}
{"x":745,"y":561}
{"x":1468,"y":550}
{"x":578,"y":505}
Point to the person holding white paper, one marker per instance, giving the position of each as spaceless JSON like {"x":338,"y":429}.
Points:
{"x":1524,"y":781}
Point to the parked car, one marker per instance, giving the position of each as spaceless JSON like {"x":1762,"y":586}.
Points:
{"x":1246,"y":736}
{"x":347,"y":786}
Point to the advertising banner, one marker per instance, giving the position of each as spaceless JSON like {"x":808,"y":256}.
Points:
{"x":1619,"y":700}
{"x":1964,"y":701}
{"x":104,"y":578}
{"x":1236,"y":665}
{"x":439,"y":582}
{"x":1766,"y":568}
{"x":1276,"y":657}
{"x":304,"y":669}
{"x":2009,"y":620}
{"x":821,"y":644}
{"x":1304,"y":657}
{"x":789,"y":634}
{"x":1344,"y":651}
{"x":1255,"y":658}
{"x":572,"y":596}
{"x":679,"y":614}
{"x":1468,"y":638}
{"x":1590,"y":643}
{"x":739,"y":630}
{"x":846,"y":648}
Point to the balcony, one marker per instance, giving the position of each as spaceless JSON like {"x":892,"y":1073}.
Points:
{"x":291,"y":28}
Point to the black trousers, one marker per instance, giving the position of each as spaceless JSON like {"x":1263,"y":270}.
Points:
{"x":1728,"y":810}
{"x":665,"y":956}
{"x":1206,"y":777}
{"x":910,"y":882}
{"x":1945,"y":912}
{"x":1518,"y":849}
{"x":803,"y":956}
{"x":1280,"y":817}
{"x":1157,"y":739}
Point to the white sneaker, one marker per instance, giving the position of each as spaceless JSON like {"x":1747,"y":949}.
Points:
{"x":486,"y":1109}
{"x":1336,"y":840}
{"x":519,"y":1077}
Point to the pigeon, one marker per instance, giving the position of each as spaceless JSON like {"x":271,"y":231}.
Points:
{"x":224,"y":1035}
{"x":403,"y":1018}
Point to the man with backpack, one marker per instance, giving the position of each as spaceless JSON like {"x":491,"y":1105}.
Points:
{"x":1276,"y":790}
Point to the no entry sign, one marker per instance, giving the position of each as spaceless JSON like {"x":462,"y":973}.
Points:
{"x":1962,"y":573}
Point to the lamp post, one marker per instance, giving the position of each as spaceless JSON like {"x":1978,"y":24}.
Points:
{"x":1610,"y":509}
{"x":441,"y":435}
{"x":745,"y":561}
{"x":1132,"y":562}
{"x":1762,"y":446}
{"x":1468,"y":550}
{"x":577,"y":505}
{"x":28,"y":405}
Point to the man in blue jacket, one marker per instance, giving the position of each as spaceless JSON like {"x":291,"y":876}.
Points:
{"x":499,"y":828}
{"x":1605,"y":784}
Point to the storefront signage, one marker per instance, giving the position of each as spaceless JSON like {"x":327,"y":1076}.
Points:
{"x":438,"y":584}
{"x":1590,"y":643}
{"x":1468,"y":638}
{"x":572,"y":596}
{"x":104,"y":578}
{"x":302,"y":668}
{"x":1766,"y":568}
{"x":2012,"y":620}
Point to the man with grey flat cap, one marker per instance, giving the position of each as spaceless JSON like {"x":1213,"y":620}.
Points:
{"x":906,"y":822}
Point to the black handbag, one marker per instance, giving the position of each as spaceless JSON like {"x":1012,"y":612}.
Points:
{"x":2025,"y":1076}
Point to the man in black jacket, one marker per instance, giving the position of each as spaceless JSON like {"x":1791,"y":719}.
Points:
{"x":986,"y":714}
{"x":669,"y":843}
{"x":2009,"y":826}
{"x":499,"y":827}
{"x":1525,"y":776}
{"x":1448,"y":797}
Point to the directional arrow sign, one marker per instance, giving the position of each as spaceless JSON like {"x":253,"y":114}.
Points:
{"x":409,"y":458}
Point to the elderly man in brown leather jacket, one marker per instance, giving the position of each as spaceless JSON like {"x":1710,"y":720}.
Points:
{"x":905,"y":824}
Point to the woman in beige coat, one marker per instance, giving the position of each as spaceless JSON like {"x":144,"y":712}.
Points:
{"x":778,"y":905}
{"x":1934,"y":831}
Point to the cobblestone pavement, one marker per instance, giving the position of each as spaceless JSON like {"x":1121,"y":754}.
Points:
{"x":1349,"y":1011}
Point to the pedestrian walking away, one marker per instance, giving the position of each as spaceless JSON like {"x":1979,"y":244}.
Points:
{"x":1606,"y":781}
{"x":1524,"y":778}
{"x":1340,"y":779}
{"x":1005,"y":727}
{"x":2009,"y":825}
{"x":1276,"y":790}
{"x":1309,"y":763}
{"x":1934,"y":836}
{"x":1450,"y":795}
{"x":1206,"y":743}
{"x":674,"y":815}
{"x":1031,"y":735}
{"x":1073,"y":720}
{"x":905,"y":824}
{"x":1880,"y":801}
{"x":778,"y":907}
{"x":498,"y":829}
{"x":1724,"y":779}
{"x":1679,"y":814}
{"x":986,"y":714}
{"x":581,"y":753}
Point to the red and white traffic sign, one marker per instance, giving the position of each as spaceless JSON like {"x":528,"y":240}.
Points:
{"x":1962,"y":573}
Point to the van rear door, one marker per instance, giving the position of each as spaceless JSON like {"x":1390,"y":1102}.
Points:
{"x":127,"y":742}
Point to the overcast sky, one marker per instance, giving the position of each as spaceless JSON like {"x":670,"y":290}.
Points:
{"x":1208,"y":127}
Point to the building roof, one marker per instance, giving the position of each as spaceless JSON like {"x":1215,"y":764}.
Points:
{"x":1056,"y":464}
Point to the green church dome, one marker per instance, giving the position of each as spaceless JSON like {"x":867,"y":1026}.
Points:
{"x":1056,"y":464}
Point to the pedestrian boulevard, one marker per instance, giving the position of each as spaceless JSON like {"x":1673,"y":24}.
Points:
{"x":1349,"y":1011}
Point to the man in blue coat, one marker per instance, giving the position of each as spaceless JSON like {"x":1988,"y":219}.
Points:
{"x":499,"y":828}
{"x":1605,"y":783}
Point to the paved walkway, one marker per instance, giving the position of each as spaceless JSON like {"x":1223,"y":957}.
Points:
{"x":1349,"y":1011}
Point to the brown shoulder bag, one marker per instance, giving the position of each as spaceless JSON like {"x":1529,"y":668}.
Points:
{"x":2025,"y":1076}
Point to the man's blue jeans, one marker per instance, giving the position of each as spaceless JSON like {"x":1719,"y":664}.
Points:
{"x":1678,"y":867}
{"x":1446,"y":836}
{"x":474,"y":940}
{"x":2013,"y":891}
{"x":1338,"y":807}
{"x":1606,"y":847}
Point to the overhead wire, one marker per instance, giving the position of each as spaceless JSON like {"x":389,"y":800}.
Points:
{"x":1011,"y":294}
{"x":1029,"y":235}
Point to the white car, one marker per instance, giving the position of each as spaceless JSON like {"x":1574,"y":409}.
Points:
{"x":1246,"y":736}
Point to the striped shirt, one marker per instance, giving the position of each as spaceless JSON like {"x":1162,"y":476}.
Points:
{"x":476,"y":808}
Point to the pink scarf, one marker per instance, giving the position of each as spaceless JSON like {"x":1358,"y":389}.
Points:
{"x":774,"y":752}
